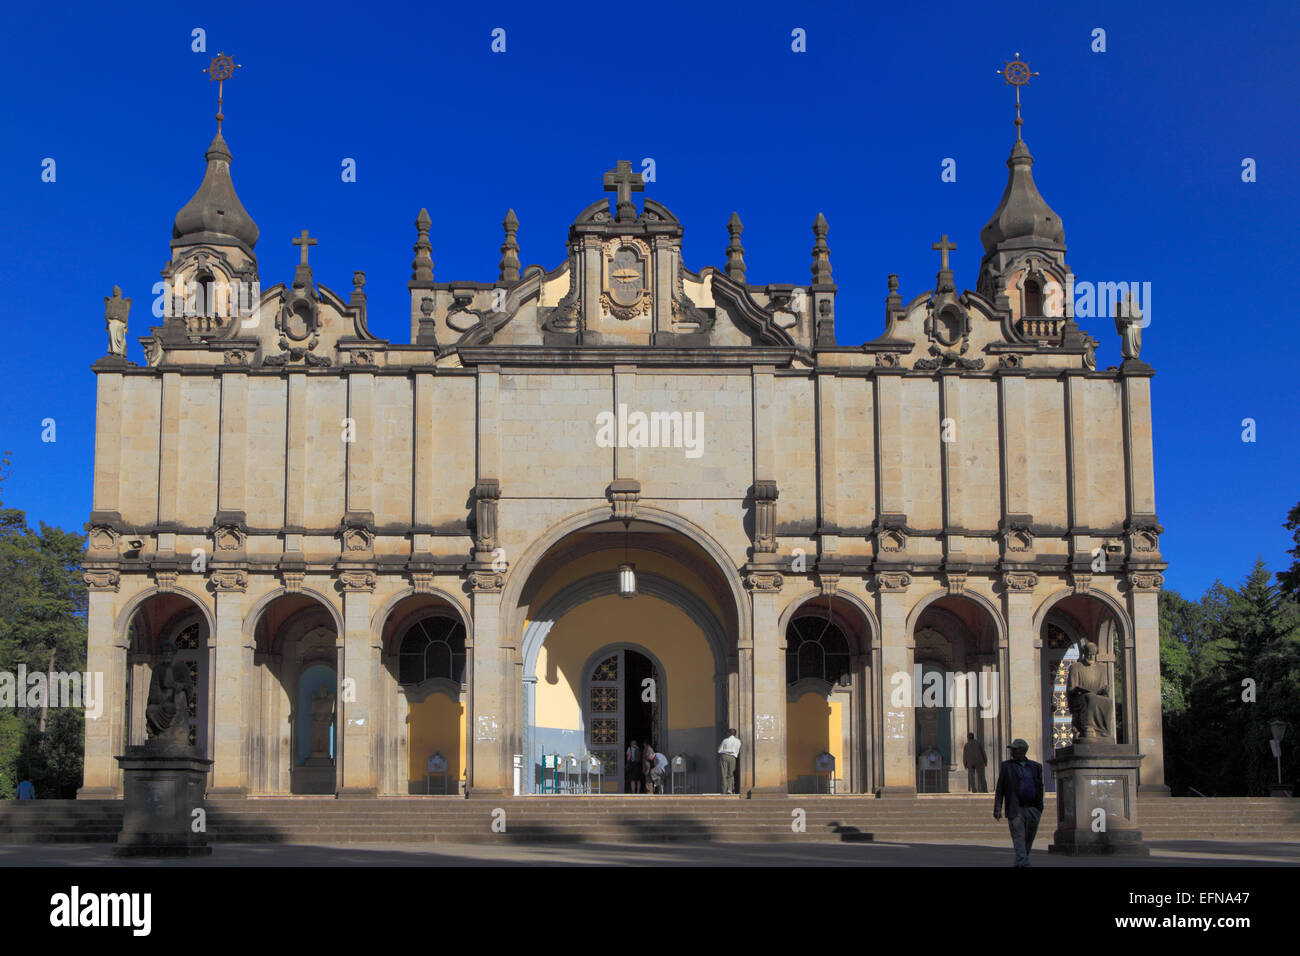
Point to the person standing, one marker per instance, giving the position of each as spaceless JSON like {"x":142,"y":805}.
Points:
{"x":1020,"y":787}
{"x":647,"y":765}
{"x":26,"y":791}
{"x":728,"y":752}
{"x":975,"y":760}
{"x":634,"y":767}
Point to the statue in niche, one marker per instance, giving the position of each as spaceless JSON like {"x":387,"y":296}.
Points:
{"x":322,"y":719}
{"x":167,"y":711}
{"x":1088,"y":692}
{"x":116,"y":311}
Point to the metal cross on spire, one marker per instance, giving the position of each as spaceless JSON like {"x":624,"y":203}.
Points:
{"x":221,"y":69}
{"x":1016,"y":73}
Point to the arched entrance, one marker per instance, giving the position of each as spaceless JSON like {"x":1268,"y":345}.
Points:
{"x":169,"y":619}
{"x":956,"y":692}
{"x":1066,"y":624}
{"x":293,"y":696}
{"x":677,"y":632}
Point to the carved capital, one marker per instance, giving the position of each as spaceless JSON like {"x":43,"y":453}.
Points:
{"x":624,"y":493}
{"x":1019,"y":580}
{"x":422,"y":582}
{"x":828,"y":583}
{"x":764,"y":581}
{"x":893,"y":580}
{"x":166,"y":581}
{"x":486,"y":580}
{"x":1146,"y":580}
{"x":357,"y":580}
{"x":292,"y":581}
{"x":228,"y":580}
{"x":1080,"y":582}
{"x":102,"y":580}
{"x":956,"y":581}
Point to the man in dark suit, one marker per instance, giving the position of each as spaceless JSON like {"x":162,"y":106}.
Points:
{"x":1020,"y":785}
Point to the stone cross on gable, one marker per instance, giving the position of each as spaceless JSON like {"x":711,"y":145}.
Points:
{"x":306,"y":243}
{"x":624,"y":181}
{"x":943,"y":246}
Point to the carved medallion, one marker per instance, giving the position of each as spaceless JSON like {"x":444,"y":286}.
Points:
{"x":625,"y":295}
{"x":1019,"y":580}
{"x":1146,"y":581}
{"x":764,"y":581}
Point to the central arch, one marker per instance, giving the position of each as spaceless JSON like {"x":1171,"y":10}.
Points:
{"x":687,"y":578}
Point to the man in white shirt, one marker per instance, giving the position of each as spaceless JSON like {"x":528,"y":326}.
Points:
{"x":728,"y":751}
{"x":657,"y":773}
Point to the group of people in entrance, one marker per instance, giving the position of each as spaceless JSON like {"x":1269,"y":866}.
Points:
{"x":646,"y":767}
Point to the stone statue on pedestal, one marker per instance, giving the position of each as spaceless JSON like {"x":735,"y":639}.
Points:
{"x":116,"y":310}
{"x":1088,"y":693}
{"x":1128,"y":323}
{"x":167,"y":712}
{"x":322,"y":719}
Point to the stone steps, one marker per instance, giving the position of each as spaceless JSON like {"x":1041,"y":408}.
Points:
{"x":640,"y":819}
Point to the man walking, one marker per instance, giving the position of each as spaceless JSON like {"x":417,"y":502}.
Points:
{"x":975,"y":760}
{"x":728,"y":751}
{"x":1020,"y":785}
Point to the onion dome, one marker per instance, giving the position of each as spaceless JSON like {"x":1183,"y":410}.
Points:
{"x":215,"y":211}
{"x":1022,"y":214}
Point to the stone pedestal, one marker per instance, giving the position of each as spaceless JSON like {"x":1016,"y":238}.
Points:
{"x":162,"y":789}
{"x":1092,"y":776}
{"x":316,"y":775}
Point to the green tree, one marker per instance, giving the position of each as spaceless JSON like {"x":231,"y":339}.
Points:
{"x":42,"y":627}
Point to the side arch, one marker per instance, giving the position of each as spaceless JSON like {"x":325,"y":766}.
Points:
{"x":123,"y":620}
{"x":249,"y":626}
{"x":999,"y":623}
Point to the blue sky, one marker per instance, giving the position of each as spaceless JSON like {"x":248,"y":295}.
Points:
{"x":1139,"y":149}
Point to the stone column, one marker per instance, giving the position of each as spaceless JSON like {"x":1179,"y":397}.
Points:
{"x":357,"y":716}
{"x":898,"y":651}
{"x":1024,"y":681}
{"x":106,"y":656}
{"x":486,"y":724}
{"x":1148,"y":722}
{"x":234,"y":663}
{"x":768,"y":685}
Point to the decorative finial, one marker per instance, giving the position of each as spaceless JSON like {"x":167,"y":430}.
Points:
{"x":622,"y":180}
{"x":1016,"y":73}
{"x":821,"y":267}
{"x":509,"y":265}
{"x":221,"y":69}
{"x":735,"y":251}
{"x":422,"y":267}
{"x":116,"y":312}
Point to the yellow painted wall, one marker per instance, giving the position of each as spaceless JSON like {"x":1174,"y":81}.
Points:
{"x":436,"y":723}
{"x":659,"y":627}
{"x":813,"y":725}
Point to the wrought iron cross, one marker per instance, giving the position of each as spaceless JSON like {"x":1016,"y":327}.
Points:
{"x":305,"y":242}
{"x":221,"y":69}
{"x":1016,"y":73}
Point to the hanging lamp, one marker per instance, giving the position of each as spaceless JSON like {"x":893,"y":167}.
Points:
{"x":626,"y":570}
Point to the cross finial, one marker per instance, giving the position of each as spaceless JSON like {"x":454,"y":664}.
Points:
{"x":944,"y":247}
{"x":221,"y":69}
{"x":1016,"y":73}
{"x":305,"y":242}
{"x":625,"y":182}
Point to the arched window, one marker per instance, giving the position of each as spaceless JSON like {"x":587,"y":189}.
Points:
{"x":434,"y":647}
{"x":1033,"y":298}
{"x":816,"y":647}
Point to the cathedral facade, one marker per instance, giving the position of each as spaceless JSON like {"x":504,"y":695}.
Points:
{"x":617,"y":500}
